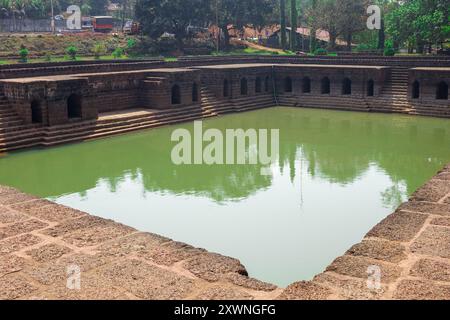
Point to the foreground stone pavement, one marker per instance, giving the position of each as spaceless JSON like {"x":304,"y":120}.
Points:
{"x":42,"y":244}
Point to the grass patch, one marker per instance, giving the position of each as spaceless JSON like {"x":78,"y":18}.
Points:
{"x":170,"y":59}
{"x":63,"y":59}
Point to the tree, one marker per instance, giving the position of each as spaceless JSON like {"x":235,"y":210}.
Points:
{"x":350,"y":19}
{"x":172,"y":16}
{"x":98,"y":7}
{"x":313,"y":22}
{"x":327,"y":18}
{"x":260,"y":13}
{"x":283,"y":24}
{"x":294,"y":18}
{"x":418,"y":23}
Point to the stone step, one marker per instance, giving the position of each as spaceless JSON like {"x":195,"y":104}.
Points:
{"x":22,"y":134}
{"x":13,"y":130}
{"x":10,"y":123}
{"x":324,"y":105}
{"x":104,"y":126}
{"x":21,"y":141}
{"x":19,"y":147}
{"x":117,"y":130}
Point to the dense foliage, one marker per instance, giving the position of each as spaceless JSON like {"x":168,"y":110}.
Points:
{"x":413,"y":24}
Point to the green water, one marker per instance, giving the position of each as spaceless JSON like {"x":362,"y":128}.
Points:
{"x":337,"y":175}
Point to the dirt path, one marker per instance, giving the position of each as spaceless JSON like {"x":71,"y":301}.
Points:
{"x":255,"y":46}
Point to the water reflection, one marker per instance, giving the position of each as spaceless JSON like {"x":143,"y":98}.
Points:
{"x":336,"y":146}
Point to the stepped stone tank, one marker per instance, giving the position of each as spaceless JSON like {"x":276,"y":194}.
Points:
{"x":48,"y":104}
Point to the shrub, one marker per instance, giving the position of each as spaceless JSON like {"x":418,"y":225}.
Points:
{"x":321,"y":52}
{"x":362,"y":47}
{"x":99,"y":50}
{"x":117,"y":53}
{"x":72,"y":52}
{"x":23,"y":53}
{"x":389,"y":50}
{"x":131,"y":43}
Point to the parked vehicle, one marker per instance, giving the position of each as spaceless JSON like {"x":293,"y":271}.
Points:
{"x":103,"y":23}
{"x":131,"y":27}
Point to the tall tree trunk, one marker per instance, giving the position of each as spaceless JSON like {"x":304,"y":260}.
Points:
{"x":333,"y":37}
{"x":283,"y":24}
{"x":124,"y":10}
{"x":381,"y":36}
{"x":420,"y":46}
{"x":226,"y":37}
{"x":349,"y":39}
{"x":294,"y":17}
{"x":313,"y":40}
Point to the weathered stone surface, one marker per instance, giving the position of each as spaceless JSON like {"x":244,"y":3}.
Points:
{"x":55,"y":212}
{"x":48,"y":252}
{"x":250,"y":283}
{"x":7,"y":190}
{"x":11,"y":264}
{"x":30,"y":206}
{"x":9,"y":216}
{"x":431,"y":269}
{"x":421,"y":290}
{"x":21,"y":227}
{"x":96,"y":235}
{"x":146,"y":281}
{"x":351,"y":288}
{"x":434,"y":241}
{"x":427,"y":207}
{"x":14,"y":287}
{"x":443,"y":176}
{"x":91,"y":288}
{"x":221,"y":293}
{"x":305,"y":290}
{"x":86,"y":262}
{"x":170,"y":253}
{"x":74,"y":225}
{"x":399,"y":226}
{"x":12,"y":198}
{"x":441,"y":221}
{"x":57,"y":271}
{"x":432,"y":191}
{"x":380,"y":250}
{"x":358,"y":267}
{"x":138,"y":242}
{"x":212,"y":266}
{"x":18,"y":243}
{"x":47,"y":273}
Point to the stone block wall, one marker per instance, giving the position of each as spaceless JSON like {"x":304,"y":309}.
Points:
{"x":158,"y":89}
{"x":428,"y":81}
{"x":336,"y":75}
{"x":215,"y":79}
